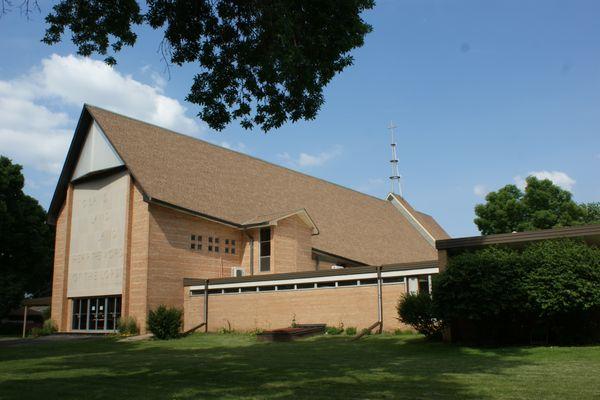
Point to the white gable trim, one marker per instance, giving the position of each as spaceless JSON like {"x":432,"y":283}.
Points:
{"x":97,"y":153}
{"x":412,"y":219}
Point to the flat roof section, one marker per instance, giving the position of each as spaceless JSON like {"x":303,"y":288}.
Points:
{"x":312,"y":274}
{"x":590,"y":233}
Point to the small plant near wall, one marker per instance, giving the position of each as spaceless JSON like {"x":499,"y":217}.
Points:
{"x":294,"y":324}
{"x":227,"y":329}
{"x":127,"y":326}
{"x":48,"y":328}
{"x":417,"y":310}
{"x":165,"y":323}
{"x":351,"y":331}
{"x":256,"y":331}
{"x":335,"y":330}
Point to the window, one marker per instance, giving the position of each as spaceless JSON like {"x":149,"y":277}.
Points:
{"x":195,"y":242}
{"x":347,"y":283}
{"x":325,"y":284}
{"x":424,"y":284}
{"x":216,"y":249}
{"x":233,"y":242}
{"x":209,"y":248}
{"x":226,"y":241}
{"x":394,"y":279}
{"x":265,"y":249}
{"x":226,"y":249}
{"x":305,"y":286}
{"x":216,"y":240}
{"x":233,"y":250}
{"x":368,"y":281}
{"x":286,"y":287}
{"x":210,"y":239}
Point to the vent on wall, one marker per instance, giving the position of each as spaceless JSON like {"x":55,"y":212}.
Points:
{"x":237,"y":271}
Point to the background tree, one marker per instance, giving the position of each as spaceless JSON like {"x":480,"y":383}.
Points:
{"x":542,"y":205}
{"x":26,"y":242}
{"x":261,"y":61}
{"x":591,"y":213}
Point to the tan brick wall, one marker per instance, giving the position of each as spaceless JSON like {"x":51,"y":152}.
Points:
{"x":352,"y":306}
{"x":135,"y":290}
{"x":171,"y":259}
{"x":291,"y":246}
{"x":60,"y":271}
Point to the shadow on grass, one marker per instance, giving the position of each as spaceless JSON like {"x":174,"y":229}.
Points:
{"x":236,"y":366}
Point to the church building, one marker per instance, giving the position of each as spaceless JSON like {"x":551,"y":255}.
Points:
{"x":145,"y":216}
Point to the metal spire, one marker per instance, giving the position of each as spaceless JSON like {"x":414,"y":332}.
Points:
{"x":395,"y":177}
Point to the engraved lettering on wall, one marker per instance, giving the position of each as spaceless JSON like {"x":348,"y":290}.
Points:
{"x":98,"y":236}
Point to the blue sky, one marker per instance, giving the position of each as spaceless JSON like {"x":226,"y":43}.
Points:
{"x":483,"y":94}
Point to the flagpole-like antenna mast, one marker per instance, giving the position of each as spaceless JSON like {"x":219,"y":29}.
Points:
{"x":395,"y":177}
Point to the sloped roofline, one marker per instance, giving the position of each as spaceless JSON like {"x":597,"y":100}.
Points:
{"x":396,"y":201}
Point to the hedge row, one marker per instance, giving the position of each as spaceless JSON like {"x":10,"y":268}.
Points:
{"x":547,"y":292}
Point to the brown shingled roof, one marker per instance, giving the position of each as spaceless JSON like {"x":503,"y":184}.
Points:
{"x":234,"y":187}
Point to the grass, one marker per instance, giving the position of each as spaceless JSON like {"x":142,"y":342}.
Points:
{"x":237,"y":366}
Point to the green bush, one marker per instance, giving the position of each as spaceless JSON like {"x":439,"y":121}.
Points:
{"x":127,"y":326}
{"x":548,"y":291}
{"x":165,"y":323}
{"x":365,"y":331}
{"x":351,"y":331}
{"x":48,"y":328}
{"x":417,"y":310}
{"x":334,"y":330}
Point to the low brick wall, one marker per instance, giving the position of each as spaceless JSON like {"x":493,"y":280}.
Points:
{"x":353,"y":306}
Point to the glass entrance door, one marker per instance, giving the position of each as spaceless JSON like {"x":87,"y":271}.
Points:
{"x":96,"y":313}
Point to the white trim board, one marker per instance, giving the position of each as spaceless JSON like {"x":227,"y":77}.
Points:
{"x":331,"y":278}
{"x":411,"y":219}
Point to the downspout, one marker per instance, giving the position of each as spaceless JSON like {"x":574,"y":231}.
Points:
{"x":251,"y":252}
{"x":206,"y":306}
{"x":379,"y":299}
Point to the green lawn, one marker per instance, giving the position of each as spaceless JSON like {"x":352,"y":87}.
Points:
{"x":237,"y":366}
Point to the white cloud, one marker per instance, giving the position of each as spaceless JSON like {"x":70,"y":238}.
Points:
{"x":373,"y":186}
{"x":36,"y":131}
{"x":311,"y":160}
{"x":480,"y":190}
{"x":559,"y":178}
{"x":239,"y":146}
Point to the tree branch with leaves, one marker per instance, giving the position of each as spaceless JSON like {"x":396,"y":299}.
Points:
{"x":263,"y":62}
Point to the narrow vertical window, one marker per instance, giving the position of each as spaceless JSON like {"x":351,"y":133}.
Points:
{"x":265,"y":249}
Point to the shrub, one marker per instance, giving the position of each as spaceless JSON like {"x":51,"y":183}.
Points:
{"x":127,"y":326}
{"x":227,"y":330}
{"x":48,"y":328}
{"x":334,"y":330}
{"x":165,"y":323}
{"x":351,"y":331}
{"x":365,"y":331}
{"x":548,"y":291}
{"x":417,"y":310}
